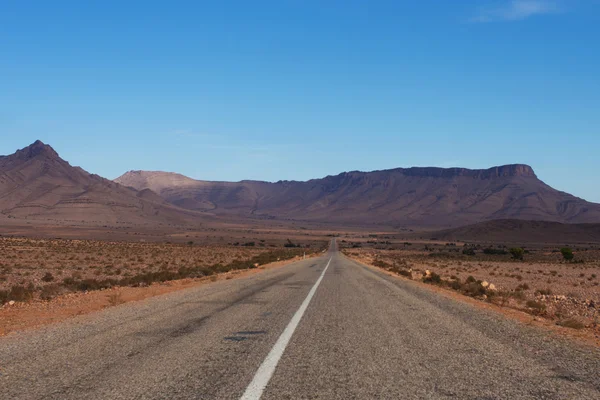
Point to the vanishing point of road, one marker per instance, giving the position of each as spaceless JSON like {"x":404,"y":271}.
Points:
{"x":321,"y":328}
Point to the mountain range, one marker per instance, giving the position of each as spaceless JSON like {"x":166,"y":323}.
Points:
{"x":37,"y":184}
{"x":417,"y":197}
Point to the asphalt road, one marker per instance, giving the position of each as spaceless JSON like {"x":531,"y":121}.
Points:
{"x":325,"y":328}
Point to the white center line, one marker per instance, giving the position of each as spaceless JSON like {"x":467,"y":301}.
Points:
{"x":262,"y":377}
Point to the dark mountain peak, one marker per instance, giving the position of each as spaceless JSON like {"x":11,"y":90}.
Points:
{"x":35,"y":149}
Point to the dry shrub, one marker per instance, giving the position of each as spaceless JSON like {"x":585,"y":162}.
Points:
{"x":571,"y":323}
{"x":20,"y":293}
{"x":535,"y":307}
{"x":433,"y":278}
{"x":115,"y":298}
{"x":49,"y":292}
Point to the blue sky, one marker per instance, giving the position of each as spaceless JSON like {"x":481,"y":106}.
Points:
{"x":297,"y":89}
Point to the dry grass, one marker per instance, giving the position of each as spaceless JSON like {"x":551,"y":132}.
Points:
{"x":31,"y":268}
{"x":115,"y":298}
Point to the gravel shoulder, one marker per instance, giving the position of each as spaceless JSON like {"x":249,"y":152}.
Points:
{"x":583,"y":336}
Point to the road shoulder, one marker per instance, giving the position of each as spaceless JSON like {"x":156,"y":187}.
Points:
{"x":584,"y":336}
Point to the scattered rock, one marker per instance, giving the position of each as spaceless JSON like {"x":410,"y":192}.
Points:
{"x":590,"y":303}
{"x":427,"y":273}
{"x":492,"y":287}
{"x":485,"y":284}
{"x":11,"y":303}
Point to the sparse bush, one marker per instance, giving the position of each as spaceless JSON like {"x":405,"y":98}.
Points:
{"x":502,"y":297}
{"x":494,"y":252}
{"x":405,"y":273}
{"x":48,"y":277}
{"x":536,"y":307}
{"x":381,"y":264}
{"x":49,"y":292}
{"x":290,"y":244}
{"x":68,"y":281}
{"x":567,"y":253}
{"x":517,"y":253}
{"x":455,"y":285}
{"x":433,"y":278}
{"x":469,"y":251}
{"x":474,"y":289}
{"x":4,"y":295}
{"x":21,"y":293}
{"x":571,"y":323}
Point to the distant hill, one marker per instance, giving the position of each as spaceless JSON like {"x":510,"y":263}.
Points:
{"x":36,"y":184}
{"x":416,"y":197}
{"x":517,"y":231}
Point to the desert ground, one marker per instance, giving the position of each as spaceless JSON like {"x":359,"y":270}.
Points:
{"x":44,"y":263}
{"x":45,"y":268}
{"x":186,"y":305}
{"x":46,"y":275}
{"x":332,"y":325}
{"x":543,"y":283}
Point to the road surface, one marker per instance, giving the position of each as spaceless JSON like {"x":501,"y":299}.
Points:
{"x":322,"y":328}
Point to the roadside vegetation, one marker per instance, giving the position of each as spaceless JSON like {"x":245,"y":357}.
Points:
{"x":43,"y":269}
{"x":557,"y":283}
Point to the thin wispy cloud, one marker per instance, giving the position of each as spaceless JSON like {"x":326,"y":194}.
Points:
{"x":516,"y":10}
